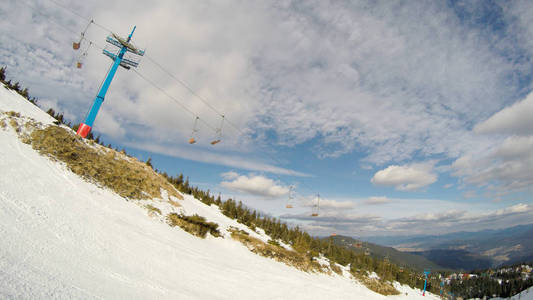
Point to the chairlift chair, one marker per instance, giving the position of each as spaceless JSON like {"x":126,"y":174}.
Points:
{"x":194,"y":131}
{"x":218,"y":137}
{"x":316,"y":207}
{"x":289,"y":201}
{"x":76,"y":45}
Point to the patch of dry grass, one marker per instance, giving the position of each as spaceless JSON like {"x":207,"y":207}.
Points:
{"x":152,"y":209}
{"x":14,"y":124}
{"x":128,"y":178}
{"x":195,"y":224}
{"x":335,"y":268}
{"x":13,"y":114}
{"x":174,"y":203}
{"x":292,"y":258}
{"x":378,"y":286}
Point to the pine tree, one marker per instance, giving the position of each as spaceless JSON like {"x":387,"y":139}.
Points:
{"x":149,"y":162}
{"x":24,"y":93}
{"x":2,"y":74}
{"x":16,"y":86}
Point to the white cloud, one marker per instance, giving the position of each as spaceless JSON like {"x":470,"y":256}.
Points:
{"x":469,"y":194}
{"x":329,"y":204}
{"x":377,"y":200}
{"x":336,"y":218}
{"x":512,"y":120}
{"x":229,"y":175}
{"x":506,"y":165}
{"x":505,"y":169}
{"x":255,"y":185}
{"x":110,"y":126}
{"x":406,"y":178}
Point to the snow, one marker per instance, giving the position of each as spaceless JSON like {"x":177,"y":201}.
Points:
{"x":65,"y":238}
{"x":12,"y":101}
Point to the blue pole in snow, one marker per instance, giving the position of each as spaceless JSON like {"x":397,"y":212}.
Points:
{"x":426,"y":273}
{"x":425,"y":281}
{"x":86,"y":127}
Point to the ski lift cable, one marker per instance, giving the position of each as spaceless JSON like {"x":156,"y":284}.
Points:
{"x":80,"y":16}
{"x":175,"y":100}
{"x":48,"y":19}
{"x":186,"y":86}
{"x":181,"y":82}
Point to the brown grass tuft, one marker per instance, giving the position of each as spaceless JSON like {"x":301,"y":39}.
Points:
{"x":127,"y":178}
{"x":174,"y":203}
{"x":292,"y":258}
{"x":335,"y":268}
{"x":378,"y":286}
{"x":13,"y":114}
{"x":152,"y":209}
{"x":14,"y":124}
{"x":195,"y":225}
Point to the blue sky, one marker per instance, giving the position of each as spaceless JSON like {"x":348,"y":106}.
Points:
{"x":407,"y":117}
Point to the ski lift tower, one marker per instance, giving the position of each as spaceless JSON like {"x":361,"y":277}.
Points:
{"x":118,"y":60}
{"x":426,"y":273}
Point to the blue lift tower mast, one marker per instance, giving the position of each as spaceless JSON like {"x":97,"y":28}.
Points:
{"x":118,"y":60}
{"x":426,"y":273}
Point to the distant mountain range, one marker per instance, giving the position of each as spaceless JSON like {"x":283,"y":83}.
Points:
{"x":468,"y":250}
{"x":414,"y":261}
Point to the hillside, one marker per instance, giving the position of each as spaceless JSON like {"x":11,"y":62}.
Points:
{"x":71,"y":236}
{"x":456,"y":259}
{"x":473,"y":249}
{"x":381,"y":252}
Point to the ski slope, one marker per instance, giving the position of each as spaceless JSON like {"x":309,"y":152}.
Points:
{"x":65,"y":238}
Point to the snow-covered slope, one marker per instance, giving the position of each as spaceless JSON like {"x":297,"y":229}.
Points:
{"x":63,"y":237}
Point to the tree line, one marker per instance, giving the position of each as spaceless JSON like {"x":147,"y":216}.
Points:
{"x":302,"y":241}
{"x":503,"y":282}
